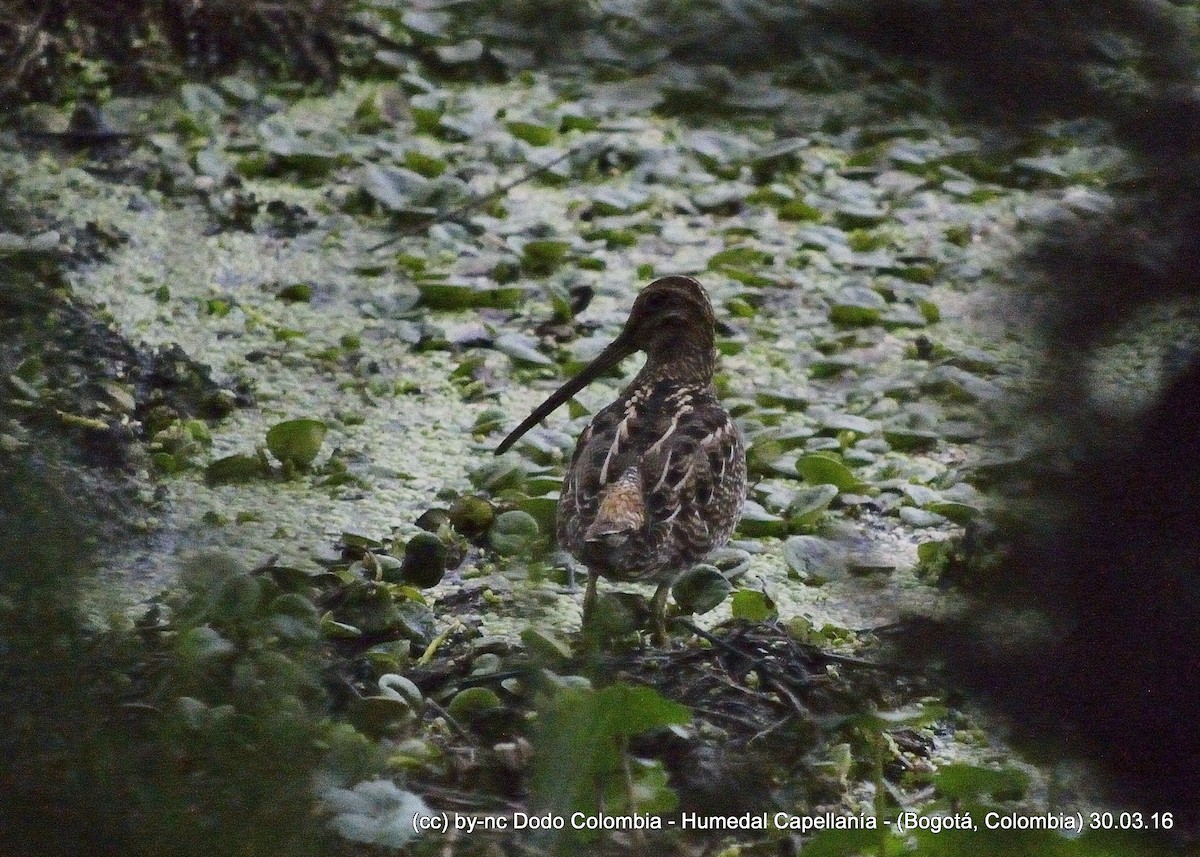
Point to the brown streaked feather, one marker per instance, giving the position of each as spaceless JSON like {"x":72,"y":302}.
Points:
{"x":622,"y":510}
{"x":673,"y":436}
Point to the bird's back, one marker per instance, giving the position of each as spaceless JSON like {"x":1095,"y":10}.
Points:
{"x":656,"y":482}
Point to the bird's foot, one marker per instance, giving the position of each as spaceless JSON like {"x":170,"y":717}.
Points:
{"x":589,"y":597}
{"x":572,"y":584}
{"x":659,"y":613}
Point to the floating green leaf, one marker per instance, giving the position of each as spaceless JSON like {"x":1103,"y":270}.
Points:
{"x":700,"y":589}
{"x":465,"y":52}
{"x":514,"y":532}
{"x":532,"y":133}
{"x":295,"y":293}
{"x":424,"y":561}
{"x":497,"y":475}
{"x":739,"y":257}
{"x":545,"y":648}
{"x":542,"y":257}
{"x":814,"y":560}
{"x":757,"y":522}
{"x":798,"y":210}
{"x":607,"y":201}
{"x":444,"y":295}
{"x":857,"y":305}
{"x":472,"y":516}
{"x":234,"y":468}
{"x":426,"y":24}
{"x":831,"y":367}
{"x":397,"y":189}
{"x":753,"y":606}
{"x":334,"y":629}
{"x":425,"y":165}
{"x":380,"y":716}
{"x":824,"y":469}
{"x":857,"y":215}
{"x":296,"y":442}
{"x":960,"y":513}
{"x":841,"y":422}
{"x":202,"y":644}
{"x":928,"y":552}
{"x":416,"y":622}
{"x":911,"y":439}
{"x":522,"y":349}
{"x":788,"y":399}
{"x":543,"y":510}
{"x":809,"y":506}
{"x":472,"y":703}
{"x":294,"y":618}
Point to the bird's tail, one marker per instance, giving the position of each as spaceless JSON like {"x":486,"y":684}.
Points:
{"x":622,"y":511}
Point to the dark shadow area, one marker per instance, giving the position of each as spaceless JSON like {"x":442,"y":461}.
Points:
{"x":59,"y":50}
{"x":1086,"y":632}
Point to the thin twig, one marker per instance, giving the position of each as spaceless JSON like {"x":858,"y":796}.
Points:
{"x":770,"y":678}
{"x":756,"y":695}
{"x":454,"y":724}
{"x":476,"y":202}
{"x":716,"y":715}
{"x":774,"y":727}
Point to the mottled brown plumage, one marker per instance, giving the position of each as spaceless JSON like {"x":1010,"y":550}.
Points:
{"x":658,"y":479}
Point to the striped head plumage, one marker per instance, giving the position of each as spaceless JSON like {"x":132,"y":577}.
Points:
{"x":658,"y":478}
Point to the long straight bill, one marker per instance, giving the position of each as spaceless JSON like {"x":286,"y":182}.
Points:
{"x":617,"y":351}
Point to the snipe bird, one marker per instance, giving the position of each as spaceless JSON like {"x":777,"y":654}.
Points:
{"x":658,"y":478}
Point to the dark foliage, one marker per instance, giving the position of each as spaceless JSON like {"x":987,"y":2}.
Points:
{"x":130,"y":741}
{"x":56,"y":784}
{"x":64,"y":50}
{"x":1088,"y":639}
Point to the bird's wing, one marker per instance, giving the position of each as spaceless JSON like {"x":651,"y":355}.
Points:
{"x":692,"y":469}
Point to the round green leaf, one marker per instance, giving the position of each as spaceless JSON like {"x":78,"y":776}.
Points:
{"x":472,"y":516}
{"x":424,"y":561}
{"x":753,"y":606}
{"x":857,"y":305}
{"x":234,"y":468}
{"x":439,"y":294}
{"x":296,"y":441}
{"x":514,"y":532}
{"x":202,"y":644}
{"x":543,"y":257}
{"x":700,"y":589}
{"x":809,"y":506}
{"x":960,"y":513}
{"x":531,"y":133}
{"x":757,"y":522}
{"x":823,"y":469}
{"x":813,"y":559}
{"x":472,"y":703}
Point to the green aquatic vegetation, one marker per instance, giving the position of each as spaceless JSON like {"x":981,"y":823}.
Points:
{"x":700,"y":589}
{"x":583,"y":762}
{"x":753,"y":606}
{"x":296,"y":443}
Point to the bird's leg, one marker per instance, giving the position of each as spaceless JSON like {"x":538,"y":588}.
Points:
{"x":572,"y":586}
{"x":659,"y":611}
{"x":589,"y":596}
